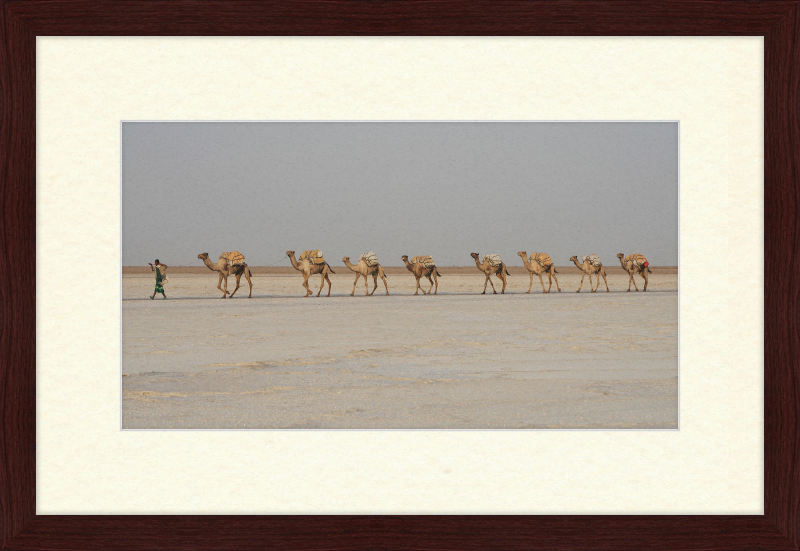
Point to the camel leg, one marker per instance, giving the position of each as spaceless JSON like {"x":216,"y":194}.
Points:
{"x":489,"y":279}
{"x":634,"y":283}
{"x":531,"y":285}
{"x":553,"y":269}
{"x":428,"y":276}
{"x":549,"y":281}
{"x":583,"y":274}
{"x":502,"y":277}
{"x":416,"y":291}
{"x":603,"y":273}
{"x":305,"y":284}
{"x":541,"y":281}
{"x":219,"y":286}
{"x":436,"y":281}
{"x":321,"y":282}
{"x":354,"y":284}
{"x":329,"y":282}
{"x":247,"y":276}
{"x":484,"y":285}
{"x":644,"y":275}
{"x":238,"y":277}
{"x":383,"y":277}
{"x":366,"y":286}
{"x":375,"y":283}
{"x":597,"y":281}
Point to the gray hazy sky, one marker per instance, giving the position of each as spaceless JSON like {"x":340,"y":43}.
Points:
{"x":441,"y":188}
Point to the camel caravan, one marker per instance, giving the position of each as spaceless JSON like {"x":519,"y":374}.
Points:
{"x":313,"y":262}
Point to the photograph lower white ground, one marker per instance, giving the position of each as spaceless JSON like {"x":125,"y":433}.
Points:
{"x":456,"y":360}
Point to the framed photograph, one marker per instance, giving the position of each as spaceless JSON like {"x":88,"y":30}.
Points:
{"x":71,"y":478}
{"x":584,"y":349}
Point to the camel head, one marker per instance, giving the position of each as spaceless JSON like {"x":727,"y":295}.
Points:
{"x":523,"y":254}
{"x":345,"y":259}
{"x":289,"y":253}
{"x":202,"y":256}
{"x":573,"y":258}
{"x":620,"y":256}
{"x":404,"y":257}
{"x":474,"y":255}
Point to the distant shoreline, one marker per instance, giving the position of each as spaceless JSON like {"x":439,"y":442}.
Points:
{"x":390,"y":270}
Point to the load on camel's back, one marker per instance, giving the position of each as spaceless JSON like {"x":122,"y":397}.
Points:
{"x":492,"y":259}
{"x":639,"y":261}
{"x":542,"y":259}
{"x":233,"y":258}
{"x":426,"y":261}
{"x":593,"y":259}
{"x":370,"y":258}
{"x":314,"y":256}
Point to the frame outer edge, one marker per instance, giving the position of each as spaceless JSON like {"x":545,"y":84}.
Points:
{"x":782,"y":332}
{"x":17,"y":331}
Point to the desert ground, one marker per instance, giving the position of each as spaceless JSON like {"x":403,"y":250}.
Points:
{"x":457,"y":360}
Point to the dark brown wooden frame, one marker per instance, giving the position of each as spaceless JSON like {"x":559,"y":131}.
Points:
{"x":777,"y":21}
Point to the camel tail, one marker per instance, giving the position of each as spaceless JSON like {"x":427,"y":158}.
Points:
{"x":329,"y":268}
{"x":507,"y":272}
{"x":649,"y":271}
{"x":437,"y":272}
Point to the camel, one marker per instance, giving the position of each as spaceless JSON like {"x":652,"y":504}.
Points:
{"x":308,"y":269}
{"x":587,"y":268}
{"x":225,"y":270}
{"x":421,"y":271}
{"x":500,"y":271}
{"x":535,"y":268}
{"x":632,"y":268}
{"x":363,"y":269}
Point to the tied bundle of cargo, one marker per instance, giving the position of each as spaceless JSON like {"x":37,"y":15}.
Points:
{"x":425,"y":261}
{"x":233,"y":258}
{"x":492,"y":259}
{"x":370,"y":258}
{"x":593,"y":259}
{"x":635,"y":264}
{"x":637,"y":260}
{"x":542,"y":259}
{"x":314,"y":256}
{"x":491,"y":265}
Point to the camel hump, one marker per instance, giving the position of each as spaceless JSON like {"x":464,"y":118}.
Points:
{"x":492,"y":259}
{"x":593,"y":259}
{"x":543,"y":259}
{"x":314,"y":256}
{"x":426,"y":261}
{"x":370,"y":258}
{"x":233,"y":258}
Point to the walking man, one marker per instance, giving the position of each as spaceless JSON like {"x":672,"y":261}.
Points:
{"x":161,"y":274}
